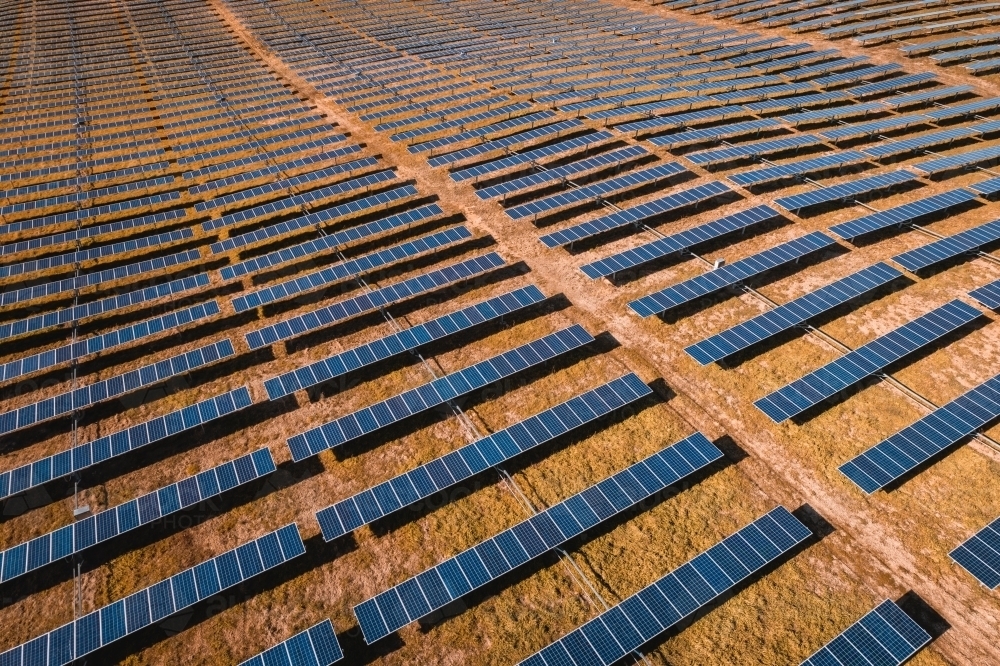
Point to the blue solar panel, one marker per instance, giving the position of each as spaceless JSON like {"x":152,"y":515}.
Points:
{"x":922,"y":142}
{"x":436,"y":393}
{"x":316,"y":646}
{"x":792,"y":314}
{"x":625,"y":627}
{"x":980,"y":555}
{"x":112,"y":522}
{"x":118,"y":443}
{"x":873,"y":128}
{"x":373,"y":300}
{"x":974,"y":107}
{"x":150,"y":605}
{"x":965,"y":159}
{"x":405,"y":489}
{"x":683,"y":119}
{"x":986,"y":188}
{"x":796,"y":169}
{"x":106,"y":389}
{"x":530,"y":156}
{"x":752,"y":150}
{"x":636,"y":215}
{"x":485,"y":148}
{"x":885,"y":635}
{"x":835,"y":113}
{"x":865,"y":361}
{"x":950,"y":247}
{"x":679,"y":242}
{"x":348,"y":269}
{"x":418,"y":596}
{"x":905,"y":214}
{"x":315,"y":220}
{"x":714,"y":134}
{"x":329,"y":368}
{"x":98,"y":343}
{"x":77,"y":216}
{"x":110,"y":304}
{"x":727,"y":276}
{"x":988,"y":295}
{"x":479,"y":132}
{"x":844,"y":191}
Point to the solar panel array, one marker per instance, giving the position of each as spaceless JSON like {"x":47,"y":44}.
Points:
{"x":865,"y":361}
{"x":906,"y":213}
{"x":844,"y":191}
{"x":885,"y":635}
{"x":980,"y":555}
{"x":316,"y":646}
{"x":471,"y":569}
{"x":942,"y":250}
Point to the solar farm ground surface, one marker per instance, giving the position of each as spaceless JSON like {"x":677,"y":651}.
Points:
{"x":868,"y":548}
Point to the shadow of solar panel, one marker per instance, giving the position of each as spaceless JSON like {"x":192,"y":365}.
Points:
{"x":950,"y":247}
{"x":900,"y":215}
{"x":412,"y":338}
{"x":348,"y":269}
{"x":794,"y":313}
{"x":980,"y":555}
{"x":373,"y":300}
{"x":441,"y":473}
{"x":885,"y":635}
{"x":440,"y":585}
{"x":316,"y":646}
{"x":844,"y":191}
{"x":530,"y":156}
{"x":796,"y":169}
{"x":112,"y":522}
{"x":150,"y":605}
{"x":865,"y":361}
{"x":436,"y":393}
{"x":679,"y":242}
{"x":626,"y":627}
{"x":729,"y":275}
{"x":118,"y":443}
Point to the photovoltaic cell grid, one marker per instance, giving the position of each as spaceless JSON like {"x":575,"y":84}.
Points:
{"x":980,"y":555}
{"x":506,"y":143}
{"x":65,"y":403}
{"x":414,"y":598}
{"x":527,"y":157}
{"x":595,"y":191}
{"x":351,"y":268}
{"x":791,"y":314}
{"x":893,"y":458}
{"x":679,"y":242}
{"x":885,"y":635}
{"x":988,"y":295}
{"x":796,"y":169}
{"x":397,"y":343}
{"x":316,"y":646}
{"x":844,"y":191}
{"x":904,"y":214}
{"x":627,"y":626}
{"x":438,"y":392}
{"x":729,"y":275}
{"x":865,"y":361}
{"x":635,"y":215}
{"x":965,"y":159}
{"x":986,"y":188}
{"x":121,"y":442}
{"x":752,"y":150}
{"x":715,"y":133}
{"x":373,"y":300}
{"x":150,"y":605}
{"x":112,"y":522}
{"x":441,"y":473}
{"x":950,"y":247}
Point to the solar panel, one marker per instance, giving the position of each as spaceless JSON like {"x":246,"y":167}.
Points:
{"x":836,"y":113}
{"x":627,"y":626}
{"x":796,"y":169}
{"x":441,"y":473}
{"x":78,"y":398}
{"x":527,"y":157}
{"x":86,"y":346}
{"x":455,"y":577}
{"x":986,"y":188}
{"x":890,"y":148}
{"x":576,"y":169}
{"x":844,"y":191}
{"x":80,"y":214}
{"x":479,"y":132}
{"x":729,"y":275}
{"x":683,"y":119}
{"x":316,"y":646}
{"x":891,"y":85}
{"x":436,"y":393}
{"x":904,"y":214}
{"x":353,"y":359}
{"x":914,"y":445}
{"x":48,"y":320}
{"x":967,"y":159}
{"x":980,"y":555}
{"x":150,"y":605}
{"x":678,"y":242}
{"x":752,"y":150}
{"x":373,"y":300}
{"x":873,"y":128}
{"x":794,"y":313}
{"x":312,"y":220}
{"x":865,"y":361}
{"x":635,"y":215}
{"x":595,"y":191}
{"x":885,"y":635}
{"x":950,"y":247}
{"x":112,"y":522}
{"x":714,"y":134}
{"x":460,"y":123}
{"x":480,"y":151}
{"x":349,"y":269}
